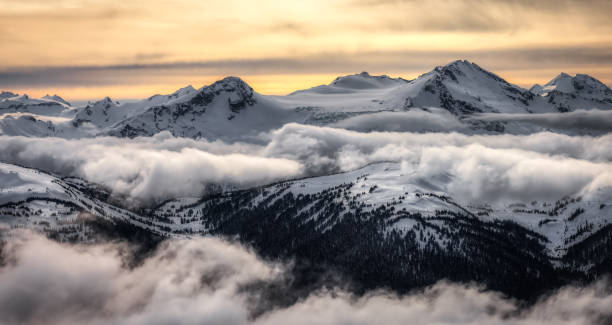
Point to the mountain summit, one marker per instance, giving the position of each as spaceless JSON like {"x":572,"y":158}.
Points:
{"x":354,"y":83}
{"x":463,"y":87}
{"x":580,"y":85}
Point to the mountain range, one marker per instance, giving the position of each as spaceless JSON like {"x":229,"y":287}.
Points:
{"x":381,"y":224}
{"x":230,"y":109}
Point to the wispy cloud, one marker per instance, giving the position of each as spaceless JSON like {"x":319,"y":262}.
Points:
{"x":415,"y":61}
{"x":582,"y":120}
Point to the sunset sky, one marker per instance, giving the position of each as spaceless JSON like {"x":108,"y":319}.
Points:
{"x":86,"y":49}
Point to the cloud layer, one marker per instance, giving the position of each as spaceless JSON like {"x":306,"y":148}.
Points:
{"x":202,"y":281}
{"x":482,"y":167}
{"x":594,"y":121}
{"x":433,"y":120}
{"x":148,"y":169}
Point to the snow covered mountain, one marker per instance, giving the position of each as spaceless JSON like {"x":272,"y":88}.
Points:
{"x":382,"y":225}
{"x":231,"y":110}
{"x":101,"y":113}
{"x":48,"y":106}
{"x":53,"y":205}
{"x":462,"y":87}
{"x":566,"y":93}
{"x":352,"y":83}
{"x":226,"y":109}
{"x":7,"y":94}
{"x":25,"y":116}
{"x":366,"y":223}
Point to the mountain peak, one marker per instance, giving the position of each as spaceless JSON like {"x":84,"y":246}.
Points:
{"x":580,"y":84}
{"x":188,"y":88}
{"x":157,"y":98}
{"x":240,"y":94}
{"x":7,"y":94}
{"x":97,"y":112}
{"x":465,"y":68}
{"x":461,"y":65}
{"x":105,"y":102}
{"x":364,"y":80}
{"x":56,"y":98}
{"x":181,"y":92}
{"x":460,"y":62}
{"x":232,"y":81}
{"x":563,"y":75}
{"x":536,"y":89}
{"x":22,"y":97}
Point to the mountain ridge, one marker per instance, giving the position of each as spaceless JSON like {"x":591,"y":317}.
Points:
{"x":355,"y":222}
{"x":230,"y":109}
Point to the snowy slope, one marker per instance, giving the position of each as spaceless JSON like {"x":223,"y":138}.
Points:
{"x":33,"y":199}
{"x":384,"y":184}
{"x":354,"y":83}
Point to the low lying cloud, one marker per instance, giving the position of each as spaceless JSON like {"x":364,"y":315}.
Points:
{"x":202,"y":281}
{"x":595,"y":121}
{"x":154,"y":168}
{"x":486,"y":175}
{"x":539,"y":166}
{"x":481,"y":167}
{"x":434,"y":120}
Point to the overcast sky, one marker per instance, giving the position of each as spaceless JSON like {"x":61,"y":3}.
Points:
{"x":84,"y":49}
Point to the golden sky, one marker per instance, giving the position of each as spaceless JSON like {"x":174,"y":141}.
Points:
{"x":86,"y":49}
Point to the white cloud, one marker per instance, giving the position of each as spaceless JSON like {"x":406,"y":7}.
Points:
{"x":201,"y":281}
{"x":149,"y":168}
{"x":483,"y":167}
{"x":592,"y":121}
{"x":436,"y":120}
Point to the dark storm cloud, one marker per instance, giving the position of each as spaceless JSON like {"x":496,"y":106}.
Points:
{"x":421,"y":61}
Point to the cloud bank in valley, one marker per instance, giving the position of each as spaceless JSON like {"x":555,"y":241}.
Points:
{"x":196,"y":281}
{"x":538,"y":166}
{"x":411,"y":121}
{"x":580,"y":120}
{"x":149,"y":168}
